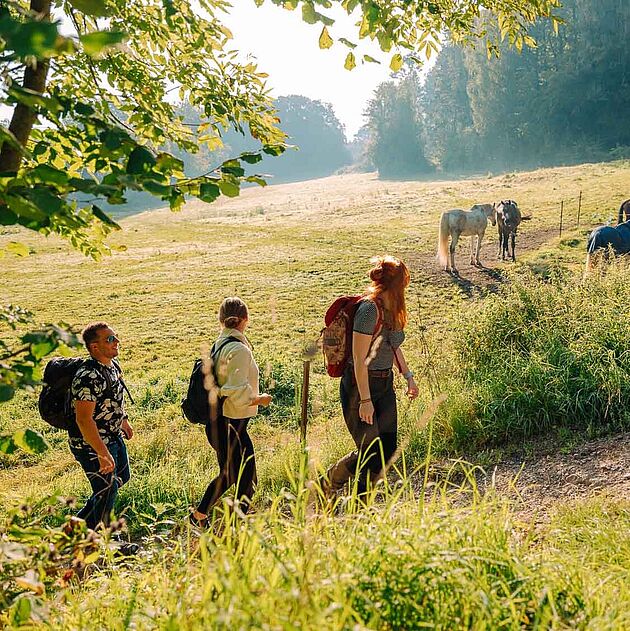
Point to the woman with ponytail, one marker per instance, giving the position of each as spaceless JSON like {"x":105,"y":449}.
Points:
{"x":367,"y":392}
{"x":237,"y":382}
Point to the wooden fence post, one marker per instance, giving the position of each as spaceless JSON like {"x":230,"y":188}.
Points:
{"x":579,"y":209}
{"x":561,"y":213}
{"x":305,"y":383}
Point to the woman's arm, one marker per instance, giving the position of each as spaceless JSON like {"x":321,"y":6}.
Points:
{"x":237,"y":387}
{"x":360,"y":348}
{"x":412,"y":388}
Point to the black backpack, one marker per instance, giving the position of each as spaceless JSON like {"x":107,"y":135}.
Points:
{"x":55,"y":399}
{"x":196,"y":406}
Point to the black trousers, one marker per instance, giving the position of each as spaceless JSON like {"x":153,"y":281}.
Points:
{"x":375,"y":443}
{"x":237,"y":464}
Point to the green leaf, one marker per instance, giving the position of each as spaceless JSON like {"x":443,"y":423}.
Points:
{"x":34,"y":37}
{"x":347,"y":42}
{"x":309,"y":15}
{"x":229,"y":187}
{"x":233,"y":167}
{"x":325,"y":41}
{"x":30,"y":441}
{"x":166,"y":163}
{"x":209,"y":191}
{"x":274,"y":150}
{"x":18,"y":248}
{"x":7,"y":445}
{"x":46,"y":200}
{"x":41,"y":349}
{"x":250,"y":158}
{"x":94,"y":43}
{"x":256,"y":179}
{"x":6,"y":392}
{"x":155,"y":188}
{"x":24,"y":208}
{"x":350,"y":62}
{"x":396,"y":63}
{"x":48,"y":175}
{"x":140,"y":160}
{"x":104,"y":217}
{"x":370,"y":60}
{"x":96,"y":8}
{"x":21,"y":611}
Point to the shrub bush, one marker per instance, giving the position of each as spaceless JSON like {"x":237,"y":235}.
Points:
{"x":542,"y":355}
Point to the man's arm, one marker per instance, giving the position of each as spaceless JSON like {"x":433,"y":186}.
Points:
{"x":89,"y":431}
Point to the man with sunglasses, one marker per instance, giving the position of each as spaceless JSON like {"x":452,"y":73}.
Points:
{"x":97,"y":439}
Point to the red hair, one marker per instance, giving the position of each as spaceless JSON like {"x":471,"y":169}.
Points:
{"x":391,"y":275}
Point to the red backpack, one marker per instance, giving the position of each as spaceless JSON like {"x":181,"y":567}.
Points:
{"x":337,"y":334}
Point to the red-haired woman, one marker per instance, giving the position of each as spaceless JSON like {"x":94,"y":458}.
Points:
{"x":367,"y":392}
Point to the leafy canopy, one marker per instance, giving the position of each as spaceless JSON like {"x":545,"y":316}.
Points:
{"x":100,"y":115}
{"x":416,"y":27}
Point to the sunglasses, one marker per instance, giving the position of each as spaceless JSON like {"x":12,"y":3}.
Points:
{"x":111,"y":338}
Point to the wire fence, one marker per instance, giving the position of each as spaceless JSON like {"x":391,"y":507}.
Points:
{"x":572,"y":212}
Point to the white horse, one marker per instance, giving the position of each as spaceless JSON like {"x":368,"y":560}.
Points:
{"x":463,"y":223}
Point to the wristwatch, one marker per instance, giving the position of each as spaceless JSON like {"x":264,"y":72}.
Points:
{"x":408,"y":375}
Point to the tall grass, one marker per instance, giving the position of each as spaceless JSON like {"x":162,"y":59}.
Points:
{"x":395,"y":564}
{"x":542,"y":355}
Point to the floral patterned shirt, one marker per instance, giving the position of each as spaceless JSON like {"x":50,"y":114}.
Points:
{"x":103,"y":385}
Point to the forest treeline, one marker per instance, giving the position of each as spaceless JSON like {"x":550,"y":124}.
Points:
{"x":564,"y":101}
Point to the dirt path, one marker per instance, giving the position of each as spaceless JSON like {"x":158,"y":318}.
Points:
{"x":554,"y":474}
{"x":551,"y":474}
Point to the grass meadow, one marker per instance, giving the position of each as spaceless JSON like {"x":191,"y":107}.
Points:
{"x":547,"y":352}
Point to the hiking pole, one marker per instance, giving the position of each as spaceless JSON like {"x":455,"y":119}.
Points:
{"x":305,"y":381}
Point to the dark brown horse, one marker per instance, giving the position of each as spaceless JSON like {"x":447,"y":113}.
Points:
{"x":509,"y":218}
{"x":624,"y":212}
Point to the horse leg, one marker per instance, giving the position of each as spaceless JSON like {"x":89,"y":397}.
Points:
{"x":500,"y":244}
{"x":479,"y":240}
{"x":513,"y":245}
{"x":472,"y":250}
{"x":453,"y":246}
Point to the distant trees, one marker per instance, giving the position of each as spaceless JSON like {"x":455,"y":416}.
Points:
{"x":563,"y":101}
{"x":393,"y":117}
{"x":315,"y":129}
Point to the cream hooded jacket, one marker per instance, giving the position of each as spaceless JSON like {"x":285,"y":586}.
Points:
{"x":237,"y":376}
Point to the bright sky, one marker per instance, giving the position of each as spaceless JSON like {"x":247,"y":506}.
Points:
{"x":287,"y":49}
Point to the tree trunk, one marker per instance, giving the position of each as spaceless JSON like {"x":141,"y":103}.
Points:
{"x":24,"y":117}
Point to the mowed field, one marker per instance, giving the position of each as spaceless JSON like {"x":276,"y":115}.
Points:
{"x":288,"y":251}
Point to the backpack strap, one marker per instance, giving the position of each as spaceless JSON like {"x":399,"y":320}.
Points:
{"x":105,"y":375}
{"x":215,"y":350}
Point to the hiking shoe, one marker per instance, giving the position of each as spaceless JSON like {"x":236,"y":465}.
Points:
{"x":202,"y":524}
{"x":128,"y":549}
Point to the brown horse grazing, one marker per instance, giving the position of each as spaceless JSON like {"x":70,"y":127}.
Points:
{"x":509,"y":218}
{"x":463,"y":223}
{"x":624,"y":212}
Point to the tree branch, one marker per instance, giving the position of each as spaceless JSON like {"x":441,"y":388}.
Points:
{"x":23,"y":116}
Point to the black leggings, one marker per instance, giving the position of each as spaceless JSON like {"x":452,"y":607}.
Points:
{"x":237,"y":464}
{"x":373,"y":439}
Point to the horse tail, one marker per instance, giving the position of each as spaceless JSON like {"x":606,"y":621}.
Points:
{"x":442,"y":253}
